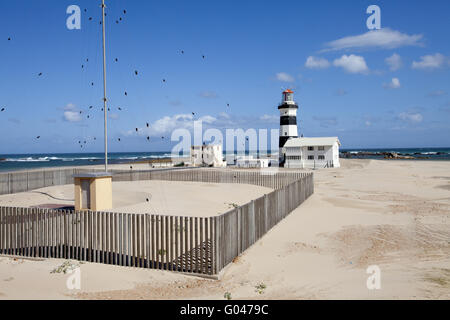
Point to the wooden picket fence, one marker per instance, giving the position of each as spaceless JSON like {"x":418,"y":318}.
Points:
{"x":184,"y":244}
{"x":139,"y":240}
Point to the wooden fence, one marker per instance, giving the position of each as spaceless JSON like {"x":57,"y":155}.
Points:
{"x":240,"y":228}
{"x":184,"y":244}
{"x":139,"y":240}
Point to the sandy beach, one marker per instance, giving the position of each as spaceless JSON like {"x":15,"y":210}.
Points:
{"x":394,"y":214}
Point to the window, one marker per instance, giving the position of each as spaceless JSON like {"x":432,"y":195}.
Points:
{"x":321,"y":148}
{"x":294,"y":157}
{"x":310,"y":157}
{"x":321,"y":157}
{"x":310,"y":148}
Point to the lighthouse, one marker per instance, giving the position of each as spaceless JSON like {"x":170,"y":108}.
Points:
{"x":288,"y":121}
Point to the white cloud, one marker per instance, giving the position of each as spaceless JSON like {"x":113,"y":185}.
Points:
{"x":316,"y":63}
{"x":429,"y":62}
{"x":224,"y":115}
{"x":72,"y":116}
{"x":394,"y":84}
{"x":71,"y":113}
{"x":394,"y":62}
{"x":411,"y":117}
{"x":207,"y":119}
{"x":169,"y":123}
{"x":384,"y":38}
{"x":285,"y":77}
{"x":352,"y":63}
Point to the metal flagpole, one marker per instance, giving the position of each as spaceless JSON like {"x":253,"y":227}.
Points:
{"x":104,"y":88}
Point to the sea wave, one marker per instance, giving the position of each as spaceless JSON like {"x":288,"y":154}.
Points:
{"x":44,"y":159}
{"x":47,"y":159}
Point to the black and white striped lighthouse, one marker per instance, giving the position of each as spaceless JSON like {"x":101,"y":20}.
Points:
{"x":288,"y":120}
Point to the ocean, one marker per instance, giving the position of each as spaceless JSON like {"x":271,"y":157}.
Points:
{"x":13,"y":162}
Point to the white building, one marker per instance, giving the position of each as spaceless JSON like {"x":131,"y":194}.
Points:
{"x":207,"y":155}
{"x":312,"y":152}
{"x":250,"y":162}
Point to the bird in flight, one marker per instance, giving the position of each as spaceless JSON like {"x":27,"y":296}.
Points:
{"x":2,"y":109}
{"x":38,"y":137}
{"x":148,"y":125}
{"x":137,"y":129}
{"x":118,"y":139}
{"x":119,"y":108}
{"x":164,"y":80}
{"x":92,"y":84}
{"x":40,"y":74}
{"x":9,"y":39}
{"x":124,"y":11}
{"x":126,"y":93}
{"x":136,"y":72}
{"x":116,"y":59}
{"x":90,"y":107}
{"x":148,"y":138}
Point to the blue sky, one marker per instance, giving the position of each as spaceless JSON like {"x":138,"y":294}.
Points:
{"x":343,"y":83}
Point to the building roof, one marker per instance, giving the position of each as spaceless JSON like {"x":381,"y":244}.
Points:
{"x":307,"y":142}
{"x":288,"y":91}
{"x":92,"y":175}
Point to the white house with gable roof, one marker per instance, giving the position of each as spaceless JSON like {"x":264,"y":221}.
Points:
{"x":312,"y":153}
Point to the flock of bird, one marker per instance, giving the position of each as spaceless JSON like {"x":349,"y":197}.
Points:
{"x":136,"y":73}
